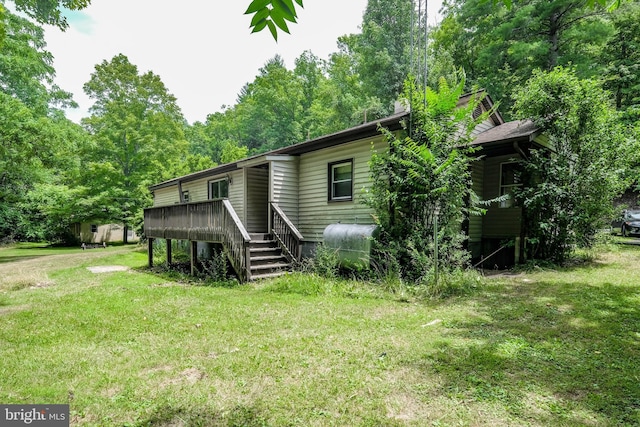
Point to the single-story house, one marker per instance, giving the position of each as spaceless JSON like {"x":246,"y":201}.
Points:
{"x":98,"y":232}
{"x":270,"y":209}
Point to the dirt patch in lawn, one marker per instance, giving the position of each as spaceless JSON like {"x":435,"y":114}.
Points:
{"x":107,"y":268}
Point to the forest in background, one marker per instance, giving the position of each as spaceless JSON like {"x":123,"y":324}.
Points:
{"x":54,"y":172}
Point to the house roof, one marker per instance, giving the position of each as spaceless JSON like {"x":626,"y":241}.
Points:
{"x":365,"y":130}
{"x":508,"y":132}
{"x":503,"y":132}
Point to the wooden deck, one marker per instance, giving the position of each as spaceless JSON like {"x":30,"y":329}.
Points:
{"x":216,"y":221}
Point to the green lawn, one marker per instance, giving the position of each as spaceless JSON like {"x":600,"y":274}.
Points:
{"x":548,"y":348}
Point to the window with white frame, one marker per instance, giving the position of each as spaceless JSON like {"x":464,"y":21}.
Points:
{"x":94,"y":228}
{"x":218,"y":189}
{"x":185,"y":196}
{"x":510,"y":180}
{"x":341,"y":180}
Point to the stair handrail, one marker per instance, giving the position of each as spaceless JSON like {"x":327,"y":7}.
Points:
{"x":286,"y":234}
{"x":237,"y":242}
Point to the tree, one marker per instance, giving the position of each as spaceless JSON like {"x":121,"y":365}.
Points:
{"x":26,"y":70}
{"x":423,"y":175}
{"x":383,"y":49}
{"x":499,"y":48}
{"x":35,"y":151}
{"x":572,"y":186}
{"x":269,"y":108}
{"x":622,"y":60}
{"x":137,"y":133}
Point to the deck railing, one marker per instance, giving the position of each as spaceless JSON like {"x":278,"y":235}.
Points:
{"x":286,"y":234}
{"x":210,"y":221}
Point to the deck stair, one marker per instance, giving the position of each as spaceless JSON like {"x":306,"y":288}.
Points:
{"x":267,"y":259}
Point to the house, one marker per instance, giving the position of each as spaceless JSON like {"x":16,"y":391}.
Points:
{"x":97,"y":232}
{"x":270,"y":209}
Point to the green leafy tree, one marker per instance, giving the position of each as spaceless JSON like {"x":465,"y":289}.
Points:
{"x":499,"y":48}
{"x":34,"y":150}
{"x":571,"y":187}
{"x":269,"y":108}
{"x":383,"y":49}
{"x":137,"y":133}
{"x":26,"y":70}
{"x":425,"y":171}
{"x":622,"y":60}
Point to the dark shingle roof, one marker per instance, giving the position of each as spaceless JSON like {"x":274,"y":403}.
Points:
{"x":516,"y":130}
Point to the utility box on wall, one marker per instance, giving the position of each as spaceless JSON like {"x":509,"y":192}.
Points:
{"x":352,"y":243}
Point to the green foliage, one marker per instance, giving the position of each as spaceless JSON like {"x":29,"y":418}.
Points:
{"x":50,"y":11}
{"x":137,"y":137}
{"x":622,"y":59}
{"x":571,"y":188}
{"x":382,"y":50}
{"x":26,"y":70}
{"x":325,"y":262}
{"x":499,"y":48}
{"x":272,"y":14}
{"x":424,"y":177}
{"x":215,"y":268}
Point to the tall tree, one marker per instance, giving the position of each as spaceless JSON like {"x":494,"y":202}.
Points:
{"x":138,"y":138}
{"x":34,"y":150}
{"x":622,"y":60}
{"x":269,"y":108}
{"x":26,"y":70}
{"x":383,"y":48}
{"x":499,"y":48}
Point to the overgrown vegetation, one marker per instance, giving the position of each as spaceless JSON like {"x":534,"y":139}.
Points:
{"x":569,"y":190}
{"x":424,"y":181}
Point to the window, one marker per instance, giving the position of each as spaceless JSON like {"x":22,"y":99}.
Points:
{"x":94,"y":228}
{"x":185,"y":196}
{"x":510,"y":179}
{"x":341,"y":180}
{"x":218,"y":189}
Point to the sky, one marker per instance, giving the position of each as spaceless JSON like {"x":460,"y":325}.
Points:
{"x":201,"y":49}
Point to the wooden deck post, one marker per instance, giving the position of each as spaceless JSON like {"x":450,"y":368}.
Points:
{"x":168,"y":252}
{"x":150,"y":251}
{"x":194,"y":257}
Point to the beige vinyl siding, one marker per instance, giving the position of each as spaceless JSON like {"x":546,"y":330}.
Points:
{"x":499,"y":222}
{"x":236,"y":191}
{"x":315,"y":211}
{"x":166,"y":196}
{"x":198,"y":191}
{"x":284,"y":186}
{"x":109,"y":233}
{"x":475,"y":221}
{"x":483,"y":126}
{"x":257,"y":214}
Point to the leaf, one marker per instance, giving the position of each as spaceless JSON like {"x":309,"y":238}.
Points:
{"x":259,"y":26}
{"x":279,"y":21}
{"x":257,"y":5}
{"x":285,"y":7}
{"x":272,"y":28}
{"x":259,"y":16}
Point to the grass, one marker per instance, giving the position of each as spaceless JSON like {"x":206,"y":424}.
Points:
{"x":546,"y":347}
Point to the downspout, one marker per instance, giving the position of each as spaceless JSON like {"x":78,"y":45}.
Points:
{"x":180,"y":192}
{"x":518,"y":243}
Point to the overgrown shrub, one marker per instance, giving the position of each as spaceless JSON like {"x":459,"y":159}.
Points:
{"x":570,"y":188}
{"x":421,"y":190}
